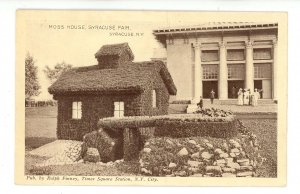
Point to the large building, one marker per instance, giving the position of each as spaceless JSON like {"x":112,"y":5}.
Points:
{"x":222,"y":57}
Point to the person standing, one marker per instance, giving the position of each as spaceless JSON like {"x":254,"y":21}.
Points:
{"x":240,"y":97}
{"x":212,"y":96}
{"x":246,"y":97}
{"x":256,"y":96}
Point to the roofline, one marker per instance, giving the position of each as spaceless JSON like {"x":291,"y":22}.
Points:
{"x":193,"y":29}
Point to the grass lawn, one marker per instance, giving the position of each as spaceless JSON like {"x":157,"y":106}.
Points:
{"x":41,"y":129}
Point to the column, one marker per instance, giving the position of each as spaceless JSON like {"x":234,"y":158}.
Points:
{"x":197,"y":74}
{"x":275,"y":69}
{"x":223,"y":75}
{"x":249,"y":79}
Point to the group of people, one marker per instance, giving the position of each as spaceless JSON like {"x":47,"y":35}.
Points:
{"x":245,"y":97}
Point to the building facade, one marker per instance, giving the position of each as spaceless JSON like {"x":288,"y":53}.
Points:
{"x":222,"y":57}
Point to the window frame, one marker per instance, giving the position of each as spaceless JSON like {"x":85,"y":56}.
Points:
{"x":119,"y":108}
{"x":77,"y":109}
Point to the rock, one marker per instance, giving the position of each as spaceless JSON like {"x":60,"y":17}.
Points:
{"x":180,"y":173}
{"x":244,"y":174}
{"x":228,"y":170}
{"x":206,"y":155}
{"x":213,"y":169}
{"x":229,"y":160}
{"x":166,"y":171}
{"x":146,"y":144}
{"x":200,"y":148}
{"x":233,"y":165}
{"x":224,"y":155}
{"x":172,"y":165}
{"x":221,"y":162}
{"x":192,"y":142}
{"x":195,"y":155}
{"x":183,"y":152}
{"x":205,"y":141}
{"x":243,"y":162}
{"x":194,"y":170}
{"x":193,"y":163}
{"x":209,"y":146}
{"x":233,"y":155}
{"x":228,"y":175}
{"x":147,"y":150}
{"x":225,"y":147}
{"x":246,"y":168}
{"x":219,"y":151}
{"x":145,"y":171}
{"x":169,"y":142}
{"x":92,"y":155}
{"x":235,"y":150}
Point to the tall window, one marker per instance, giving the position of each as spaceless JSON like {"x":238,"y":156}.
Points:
{"x":118,"y":109}
{"x":236,"y":71}
{"x":154,"y":105}
{"x":76,"y":110}
{"x":263,"y":71}
{"x":210,"y":72}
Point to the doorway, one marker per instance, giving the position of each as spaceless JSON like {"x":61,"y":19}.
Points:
{"x":233,"y":87}
{"x":208,"y":86}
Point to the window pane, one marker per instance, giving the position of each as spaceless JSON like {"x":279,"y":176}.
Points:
{"x":74,"y":105}
{"x":210,"y":55}
{"x":121,"y":106}
{"x":79,"y":105}
{"x":235,"y":55}
{"x":236,"y":71}
{"x":116,"y":114}
{"x":121,"y":113}
{"x":262,"y":71}
{"x":116,"y":105}
{"x":210,"y":72}
{"x":79,"y":114}
{"x":262,"y":54}
{"x":74,"y":114}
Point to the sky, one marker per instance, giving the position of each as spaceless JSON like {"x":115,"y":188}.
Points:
{"x":74,"y":37}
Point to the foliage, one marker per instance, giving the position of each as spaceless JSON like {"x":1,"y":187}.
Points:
{"x":32,"y":87}
{"x":59,"y":68}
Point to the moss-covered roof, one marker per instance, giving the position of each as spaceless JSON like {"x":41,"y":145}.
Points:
{"x":129,"y":77}
{"x":114,"y":50}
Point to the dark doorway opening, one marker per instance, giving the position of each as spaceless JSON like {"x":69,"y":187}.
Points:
{"x":258,"y":86}
{"x":208,"y":86}
{"x":233,"y":87}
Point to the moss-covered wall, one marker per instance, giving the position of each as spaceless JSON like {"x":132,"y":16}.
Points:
{"x":94,"y":107}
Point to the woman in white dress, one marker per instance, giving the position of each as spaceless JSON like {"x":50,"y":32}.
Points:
{"x":256,"y":96}
{"x":240,"y":97}
{"x":246,"y":97}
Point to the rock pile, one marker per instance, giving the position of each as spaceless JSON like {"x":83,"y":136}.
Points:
{"x":200,"y":157}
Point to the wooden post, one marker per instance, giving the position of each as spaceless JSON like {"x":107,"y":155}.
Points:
{"x":132,"y":138}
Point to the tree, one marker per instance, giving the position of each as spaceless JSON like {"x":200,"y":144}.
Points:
{"x":32,"y":86}
{"x":59,"y":68}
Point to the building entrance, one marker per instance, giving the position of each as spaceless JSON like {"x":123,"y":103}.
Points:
{"x":233,"y":87}
{"x":208,"y":86}
{"x":265,"y":88}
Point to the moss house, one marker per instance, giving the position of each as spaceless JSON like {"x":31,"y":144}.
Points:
{"x":115,"y":87}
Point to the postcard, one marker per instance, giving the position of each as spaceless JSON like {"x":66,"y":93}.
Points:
{"x":151,"y":98}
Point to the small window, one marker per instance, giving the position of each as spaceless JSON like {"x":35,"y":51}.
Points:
{"x":118,"y":109}
{"x":76,"y":110}
{"x":154,"y":105}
